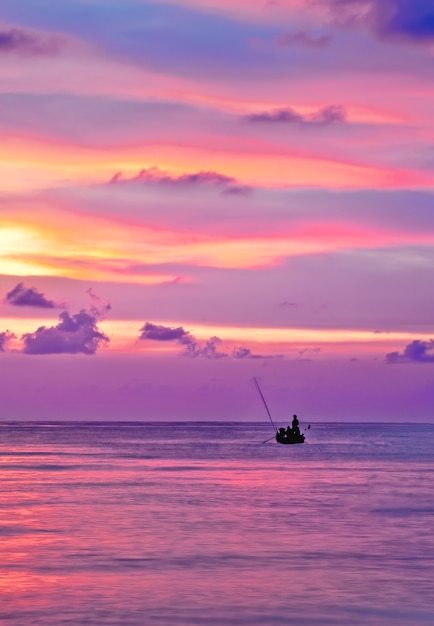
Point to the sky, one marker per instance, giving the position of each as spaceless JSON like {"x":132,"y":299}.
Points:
{"x":199,"y":192}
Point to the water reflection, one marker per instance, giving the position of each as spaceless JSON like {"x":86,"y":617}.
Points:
{"x":114,"y":527}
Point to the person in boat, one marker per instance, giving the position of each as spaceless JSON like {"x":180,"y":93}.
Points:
{"x":282,"y":433}
{"x":295,"y":426}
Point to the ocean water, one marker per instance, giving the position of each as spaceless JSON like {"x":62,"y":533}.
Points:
{"x":203,"y":524}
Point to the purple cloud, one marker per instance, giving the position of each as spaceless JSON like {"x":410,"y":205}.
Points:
{"x":241,"y":353}
{"x":97,"y":309}
{"x":4,"y":338}
{"x":327,"y":115}
{"x":246,"y":353}
{"x":157,"y":176}
{"x":74,"y":334}
{"x":192,"y":347}
{"x":304,"y":351}
{"x":22,"y":296}
{"x":302,"y":38}
{"x":237,"y":190}
{"x":20,"y":41}
{"x":415,"y":352}
{"x":207,"y":179}
{"x":157,"y":332}
{"x":411,"y":19}
{"x":209,"y":350}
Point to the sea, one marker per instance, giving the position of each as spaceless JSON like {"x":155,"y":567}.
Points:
{"x":185,"y":524}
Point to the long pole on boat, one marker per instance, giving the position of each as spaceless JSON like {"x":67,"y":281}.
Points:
{"x":265,"y":404}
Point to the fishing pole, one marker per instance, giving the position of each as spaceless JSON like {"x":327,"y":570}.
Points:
{"x":265,"y":404}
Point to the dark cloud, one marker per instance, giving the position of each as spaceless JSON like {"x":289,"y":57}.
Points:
{"x":162,"y":333}
{"x":19,"y":41}
{"x":77,"y":333}
{"x":23,"y":296}
{"x":5,"y":336}
{"x":416,"y":352}
{"x":322,"y":117}
{"x":304,"y":39}
{"x":411,"y":19}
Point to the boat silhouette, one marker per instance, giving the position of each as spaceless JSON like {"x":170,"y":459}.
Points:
{"x":282,"y":436}
{"x":285,"y":436}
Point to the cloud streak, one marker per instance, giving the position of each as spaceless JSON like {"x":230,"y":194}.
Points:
{"x":302,"y":38}
{"x":156,"y":176}
{"x":202,"y":179}
{"x":28,"y":43}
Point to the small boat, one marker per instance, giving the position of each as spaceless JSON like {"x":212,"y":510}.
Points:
{"x":286,"y":436}
{"x":282,"y":436}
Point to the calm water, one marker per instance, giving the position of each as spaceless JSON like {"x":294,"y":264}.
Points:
{"x":185,"y":524}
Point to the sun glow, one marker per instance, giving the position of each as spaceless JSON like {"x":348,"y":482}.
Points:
{"x":16,"y":240}
{"x":74,"y":245}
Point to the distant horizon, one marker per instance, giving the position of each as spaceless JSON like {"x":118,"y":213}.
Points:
{"x":207,"y":422}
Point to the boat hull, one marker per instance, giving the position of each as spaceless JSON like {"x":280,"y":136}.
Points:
{"x":289,"y":440}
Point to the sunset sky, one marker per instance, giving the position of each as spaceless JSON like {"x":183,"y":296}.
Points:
{"x":199,"y":192}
